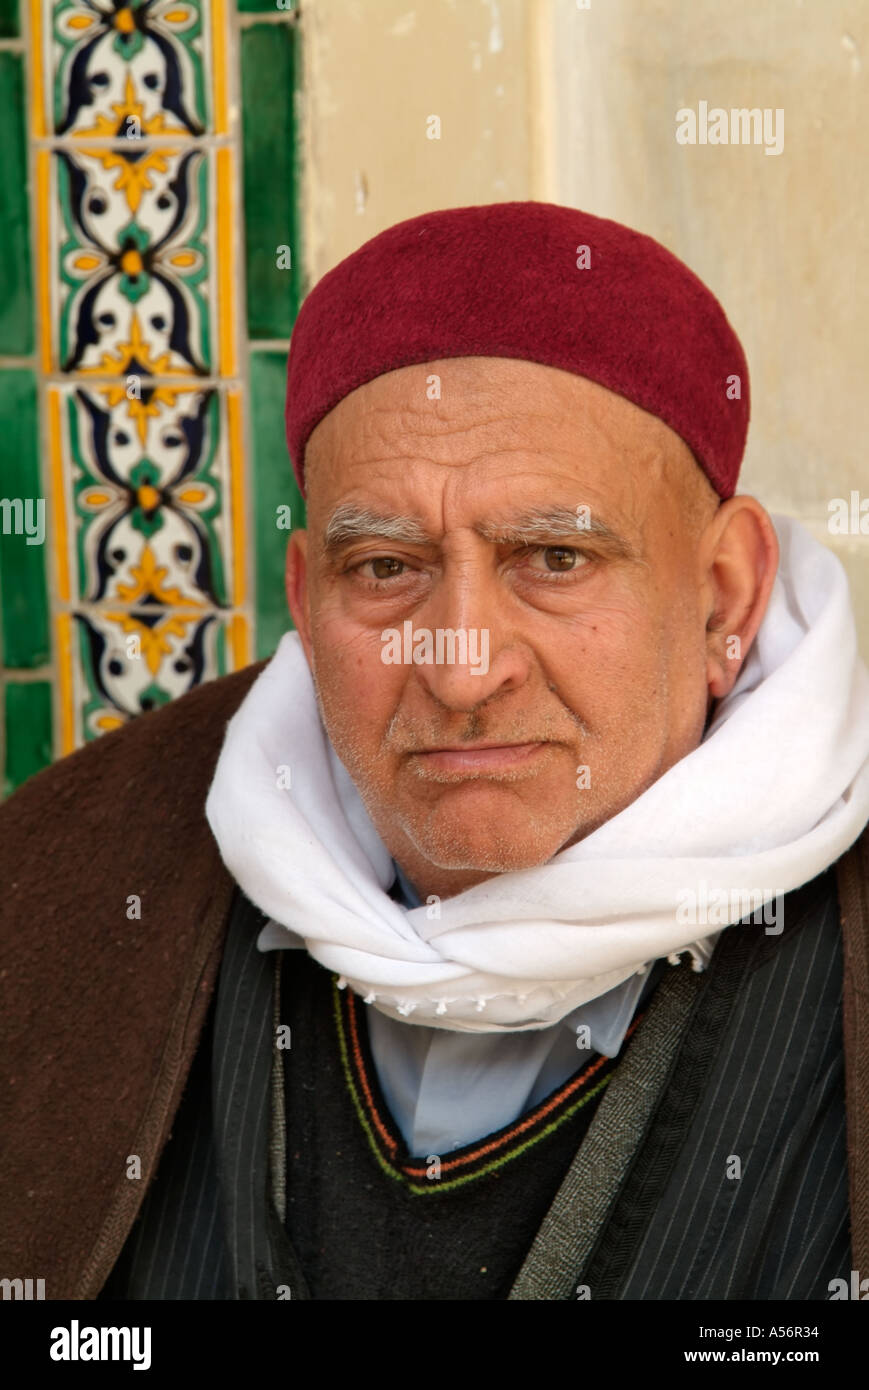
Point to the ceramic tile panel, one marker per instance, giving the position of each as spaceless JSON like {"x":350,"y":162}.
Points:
{"x":265,"y":6}
{"x":9,"y":19}
{"x":268,"y":65}
{"x":16,"y":302}
{"x":278,"y":504}
{"x":132,"y":261}
{"x":151,"y":494}
{"x":27,"y":725}
{"x":134,"y":660}
{"x":136,"y":70}
{"x":161,"y":170}
{"x":24,"y":526}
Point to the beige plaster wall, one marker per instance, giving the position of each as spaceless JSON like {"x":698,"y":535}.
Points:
{"x":374,"y":72}
{"x":783,"y":240}
{"x":551,"y":99}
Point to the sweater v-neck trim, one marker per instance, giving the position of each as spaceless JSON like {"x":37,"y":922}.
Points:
{"x":438,"y":1174}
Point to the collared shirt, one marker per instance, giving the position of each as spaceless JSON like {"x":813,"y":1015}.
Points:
{"x":446,"y":1089}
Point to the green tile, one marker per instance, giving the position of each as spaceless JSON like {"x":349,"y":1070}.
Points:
{"x":9,"y":19}
{"x":16,"y":301}
{"x":23,"y":596}
{"x":27,"y":712}
{"x":273,"y":486}
{"x":268,"y":68}
{"x":264,"y":6}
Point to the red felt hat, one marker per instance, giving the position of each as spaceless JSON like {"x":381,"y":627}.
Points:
{"x":535,"y":281}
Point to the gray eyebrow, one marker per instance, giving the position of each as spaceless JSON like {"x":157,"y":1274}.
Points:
{"x":350,"y":522}
{"x":535,"y":526}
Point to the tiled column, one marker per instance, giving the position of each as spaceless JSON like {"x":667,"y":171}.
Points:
{"x":162,"y":179}
{"x":270,"y":83}
{"x":25,"y":649}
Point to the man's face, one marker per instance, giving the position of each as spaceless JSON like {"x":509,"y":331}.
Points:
{"x":596,"y":623}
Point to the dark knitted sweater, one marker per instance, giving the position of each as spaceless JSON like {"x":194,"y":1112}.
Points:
{"x":366,"y":1220}
{"x":738,"y":1188}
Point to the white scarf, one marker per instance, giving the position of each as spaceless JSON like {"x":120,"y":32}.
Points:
{"x":775,"y":793}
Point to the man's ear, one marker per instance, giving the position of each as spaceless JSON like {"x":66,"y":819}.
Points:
{"x":296,"y":585}
{"x":739,"y":558}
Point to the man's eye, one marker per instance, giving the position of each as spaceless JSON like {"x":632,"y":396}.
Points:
{"x":384,"y":566}
{"x":560,"y":559}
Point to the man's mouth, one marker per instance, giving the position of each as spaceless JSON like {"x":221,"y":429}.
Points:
{"x":476,"y":757}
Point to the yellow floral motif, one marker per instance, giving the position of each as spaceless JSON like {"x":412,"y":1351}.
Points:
{"x":154,"y":642}
{"x":141,"y":411}
{"x":133,"y":175}
{"x":136,"y":350}
{"x":131,"y":108}
{"x":118,"y":364}
{"x":150,"y":583}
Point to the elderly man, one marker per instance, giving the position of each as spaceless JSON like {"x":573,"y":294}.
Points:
{"x":495,"y":952}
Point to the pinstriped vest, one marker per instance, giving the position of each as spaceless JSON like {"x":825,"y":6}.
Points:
{"x":714,"y":1167}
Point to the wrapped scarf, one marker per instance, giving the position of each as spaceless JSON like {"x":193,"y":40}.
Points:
{"x":777,"y":790}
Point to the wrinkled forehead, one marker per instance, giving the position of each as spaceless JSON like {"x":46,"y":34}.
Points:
{"x":500,"y":419}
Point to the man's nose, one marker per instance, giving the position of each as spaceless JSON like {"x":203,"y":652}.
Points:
{"x":472,"y":638}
